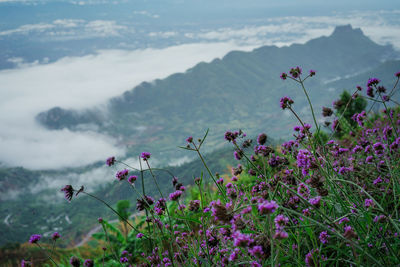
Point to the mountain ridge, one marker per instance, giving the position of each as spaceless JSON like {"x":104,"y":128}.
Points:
{"x":240,"y":90}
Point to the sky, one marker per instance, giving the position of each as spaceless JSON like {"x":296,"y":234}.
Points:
{"x":79,"y":82}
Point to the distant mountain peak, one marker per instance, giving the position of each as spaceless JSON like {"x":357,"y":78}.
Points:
{"x":346,"y":30}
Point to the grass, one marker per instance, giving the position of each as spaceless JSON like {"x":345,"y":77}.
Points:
{"x":321,"y":199}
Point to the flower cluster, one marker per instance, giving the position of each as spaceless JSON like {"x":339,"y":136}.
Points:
{"x":319,"y":199}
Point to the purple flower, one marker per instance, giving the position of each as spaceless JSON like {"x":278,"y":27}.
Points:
{"x":241,"y":240}
{"x":303,"y":190}
{"x":373,"y":81}
{"x":74,"y":261}
{"x":356,"y":149}
{"x":380,"y":218}
{"x":312,"y":73}
{"x":256,"y":251}
{"x":189,"y":139}
{"x":310,"y":258}
{"x":238,"y":154}
{"x":397,"y":74}
{"x":304,"y":160}
{"x":283,"y":76}
{"x":34,"y":239}
{"x":100,"y":220}
{"x":370,"y":92}
{"x":377,"y":181}
{"x":68,"y":192}
{"x":378,"y":148}
{"x":267,"y":207}
{"x":274,"y":161}
{"x":369,"y":159}
{"x":110,"y":161}
{"x":280,"y":234}
{"x":323,"y":237}
{"x":368,"y":203}
{"x":145,"y":155}
{"x":139,"y":235}
{"x":25,"y":263}
{"x":343,"y":220}
{"x":121,"y":175}
{"x":88,"y":263}
{"x":385,"y":98}
{"x":261,"y":139}
{"x":144,"y":202}
{"x":55,"y":236}
{"x":344,"y":170}
{"x":327,"y":112}
{"x":132,"y":179}
{"x":280,"y":221}
{"x":295,"y":72}
{"x":230,"y":136}
{"x":234,"y":255}
{"x":335,"y":125}
{"x":349,"y":232}
{"x":175,"y":195}
{"x":252,"y":172}
{"x":263,"y":150}
{"x":315,"y":201}
{"x":359,"y":88}
{"x":306,"y":212}
{"x":286,"y":102}
{"x":123,"y":259}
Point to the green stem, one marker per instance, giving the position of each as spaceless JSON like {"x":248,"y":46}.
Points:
{"x":113,"y":251}
{"x":116,"y":212}
{"x":311,"y":106}
{"x":390,"y":118}
{"x":209,"y":172}
{"x":47,"y":255}
{"x":147,"y":213}
{"x":169,"y":216}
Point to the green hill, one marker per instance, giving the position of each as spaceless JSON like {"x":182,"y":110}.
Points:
{"x":241,"y":90}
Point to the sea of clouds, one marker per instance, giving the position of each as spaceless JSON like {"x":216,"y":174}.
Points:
{"x":83,"y":82}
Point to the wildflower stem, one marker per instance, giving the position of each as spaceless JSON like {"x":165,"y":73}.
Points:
{"x":248,"y":160}
{"x":334,"y":232}
{"x":169,"y":216}
{"x":209,"y":172}
{"x":390,"y":117}
{"x":341,"y":115}
{"x":47,"y":255}
{"x":297,"y":117}
{"x":311,"y":106}
{"x":113,"y":251}
{"x":376,"y":202}
{"x":116,"y":212}
{"x":272,"y":243}
{"x":53,"y":247}
{"x":123,"y":163}
{"x":147,"y":213}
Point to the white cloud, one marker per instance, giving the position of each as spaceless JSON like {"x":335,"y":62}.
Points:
{"x":146,"y":13}
{"x":72,"y":29}
{"x":90,"y":80}
{"x":381,"y":26}
{"x":68,"y":23}
{"x":167,"y":34}
{"x":104,"y":28}
{"x":25,"y":29}
{"x":80,"y":82}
